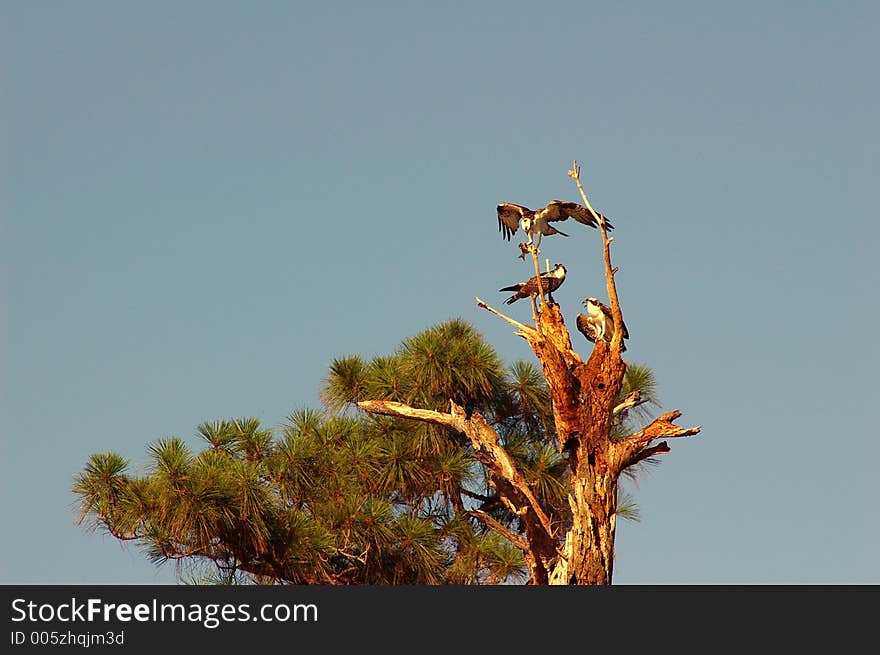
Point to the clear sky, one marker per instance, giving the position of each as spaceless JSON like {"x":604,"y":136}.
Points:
{"x":204,"y":203}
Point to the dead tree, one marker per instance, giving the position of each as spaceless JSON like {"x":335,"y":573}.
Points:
{"x":586,"y":398}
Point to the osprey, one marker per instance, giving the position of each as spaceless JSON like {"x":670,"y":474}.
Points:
{"x":550,"y":282}
{"x":536,"y":223}
{"x":598,"y":323}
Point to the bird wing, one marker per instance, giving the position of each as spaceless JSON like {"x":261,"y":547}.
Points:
{"x":530,"y":286}
{"x":548,"y":230}
{"x":610,"y":317}
{"x":531,"y":283}
{"x":518,"y":286}
{"x":551,"y":283}
{"x":586,"y":328}
{"x":508,"y":218}
{"x":608,"y":225}
{"x":559,"y":210}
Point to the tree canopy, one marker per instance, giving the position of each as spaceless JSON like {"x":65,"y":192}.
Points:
{"x":337,"y":496}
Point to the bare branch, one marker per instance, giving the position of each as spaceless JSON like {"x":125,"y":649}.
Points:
{"x":535,"y":314}
{"x":362,"y":558}
{"x":617,"y":337}
{"x":391,"y":408}
{"x":476,"y":496}
{"x":644,"y":454}
{"x":631,"y":449}
{"x":575,"y":174}
{"x":122,"y":537}
{"x":524,"y":330}
{"x":662,"y":427}
{"x":483,"y":438}
{"x":632,"y":399}
{"x":516,"y":539}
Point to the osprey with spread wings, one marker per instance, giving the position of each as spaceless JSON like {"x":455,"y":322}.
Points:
{"x":536,"y":223}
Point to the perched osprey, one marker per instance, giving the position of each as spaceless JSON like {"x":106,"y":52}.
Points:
{"x":536,"y":223}
{"x":598,"y":323}
{"x":550,"y":282}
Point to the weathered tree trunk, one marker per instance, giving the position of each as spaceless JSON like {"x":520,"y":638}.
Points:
{"x":579,"y":551}
{"x":589,"y":545}
{"x":584,"y":396}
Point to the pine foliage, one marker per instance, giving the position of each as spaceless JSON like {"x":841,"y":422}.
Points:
{"x":336,"y":496}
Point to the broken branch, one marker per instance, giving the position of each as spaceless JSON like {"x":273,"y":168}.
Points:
{"x":517,"y":540}
{"x":483,"y":438}
{"x":662,"y":427}
{"x":633,"y":399}
{"x":631,"y":449}
{"x":524,"y":330}
{"x":644,"y":454}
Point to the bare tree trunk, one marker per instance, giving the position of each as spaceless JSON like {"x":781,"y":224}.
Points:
{"x":589,"y":544}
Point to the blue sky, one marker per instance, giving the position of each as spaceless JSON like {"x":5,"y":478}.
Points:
{"x":204,"y":203}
